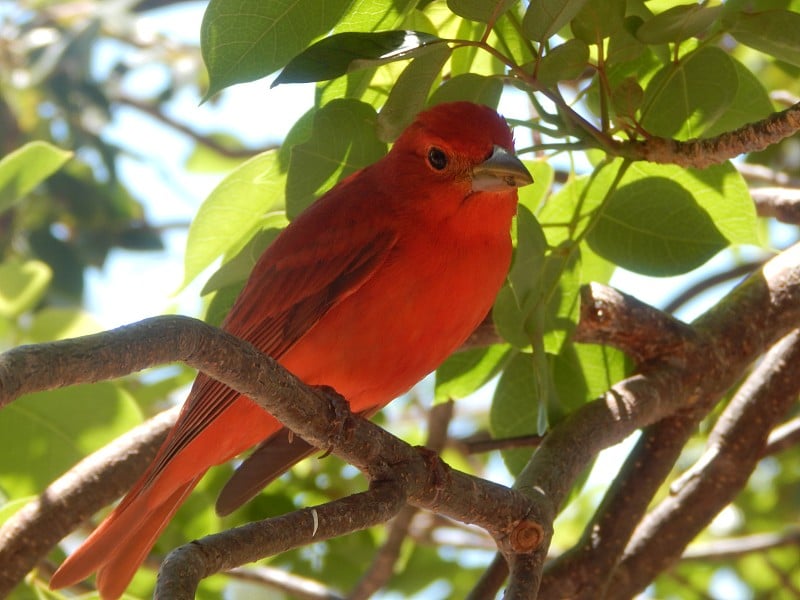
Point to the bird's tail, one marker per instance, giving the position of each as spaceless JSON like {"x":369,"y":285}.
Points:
{"x":120,"y":544}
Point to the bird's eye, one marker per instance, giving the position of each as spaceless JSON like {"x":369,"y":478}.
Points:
{"x":437,"y":158}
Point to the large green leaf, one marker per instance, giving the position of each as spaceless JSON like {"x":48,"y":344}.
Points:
{"x":666,"y":220}
{"x":563,"y":62}
{"x":25,"y":168}
{"x":515,"y":407}
{"x":343,"y":140}
{"x":686,"y":98}
{"x":465,"y":372}
{"x":243,"y":40}
{"x":598,"y":19}
{"x":469,"y":87}
{"x":774,"y":32}
{"x":750,"y":103}
{"x":678,"y":23}
{"x":341,"y":53}
{"x":233,"y":211}
{"x":44,"y":434}
{"x":410,"y":93}
{"x":544,"y":18}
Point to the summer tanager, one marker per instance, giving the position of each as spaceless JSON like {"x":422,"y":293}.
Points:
{"x":366,"y":291}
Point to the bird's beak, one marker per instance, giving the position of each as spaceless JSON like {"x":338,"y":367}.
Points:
{"x":500,"y":172}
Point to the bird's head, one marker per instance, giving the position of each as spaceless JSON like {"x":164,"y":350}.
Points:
{"x":465,"y":145}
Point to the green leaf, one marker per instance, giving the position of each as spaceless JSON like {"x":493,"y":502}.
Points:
{"x":480,"y":10}
{"x":685,"y":99}
{"x":45,"y":434}
{"x":582,"y":372}
{"x":598,"y":19}
{"x":343,"y":140}
{"x":750,"y":103}
{"x":60,"y":323}
{"x":22,"y":285}
{"x":774,"y":32}
{"x":666,"y":220}
{"x":236,"y":269}
{"x":518,"y":297}
{"x":523,"y":291}
{"x":25,"y":168}
{"x":563,"y":62}
{"x":243,"y":40}
{"x":466,"y":372}
{"x":470,"y":87}
{"x":410,"y":93}
{"x":515,"y":407}
{"x":342,"y":53}
{"x":627,"y":97}
{"x":544,"y":18}
{"x":655,"y":227}
{"x":678,"y":23}
{"x":233,"y":211}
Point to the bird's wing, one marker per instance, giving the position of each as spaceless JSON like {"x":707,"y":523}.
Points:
{"x":273,"y":457}
{"x":294,"y":283}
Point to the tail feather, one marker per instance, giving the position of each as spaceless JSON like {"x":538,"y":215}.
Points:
{"x":121,"y":542}
{"x":113,"y":577}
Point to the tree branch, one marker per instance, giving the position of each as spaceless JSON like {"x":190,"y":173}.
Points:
{"x":783,"y":437}
{"x":320,"y":418}
{"x":701,"y":153}
{"x":728,"y":548}
{"x":779,"y":202}
{"x":734,"y":449}
{"x":185,"y":566}
{"x":382,"y":567}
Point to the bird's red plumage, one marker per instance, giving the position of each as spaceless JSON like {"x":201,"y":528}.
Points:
{"x":367,"y":291}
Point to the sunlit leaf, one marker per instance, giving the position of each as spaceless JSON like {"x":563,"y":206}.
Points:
{"x":480,"y":10}
{"x":665,"y":220}
{"x":515,"y":407}
{"x":563,"y":62}
{"x":465,"y":372}
{"x":25,"y":168}
{"x":343,"y":140}
{"x":678,"y":23}
{"x":684,"y":99}
{"x":410,"y":93}
{"x":44,"y":434}
{"x":243,"y":40}
{"x":543,"y":19}
{"x":234,"y":211}
{"x":774,"y":32}
{"x":22,"y":285}
{"x":469,"y":87}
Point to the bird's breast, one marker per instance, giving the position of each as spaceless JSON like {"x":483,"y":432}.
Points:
{"x":428,"y":296}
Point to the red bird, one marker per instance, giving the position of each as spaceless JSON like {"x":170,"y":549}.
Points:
{"x":367,"y":291}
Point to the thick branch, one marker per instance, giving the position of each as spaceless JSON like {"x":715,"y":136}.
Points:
{"x":185,"y":566}
{"x":322,"y":420}
{"x":614,"y":318}
{"x":579,"y":572}
{"x":781,"y":203}
{"x":706,"y":152}
{"x":382,"y":567}
{"x":734,"y":449}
